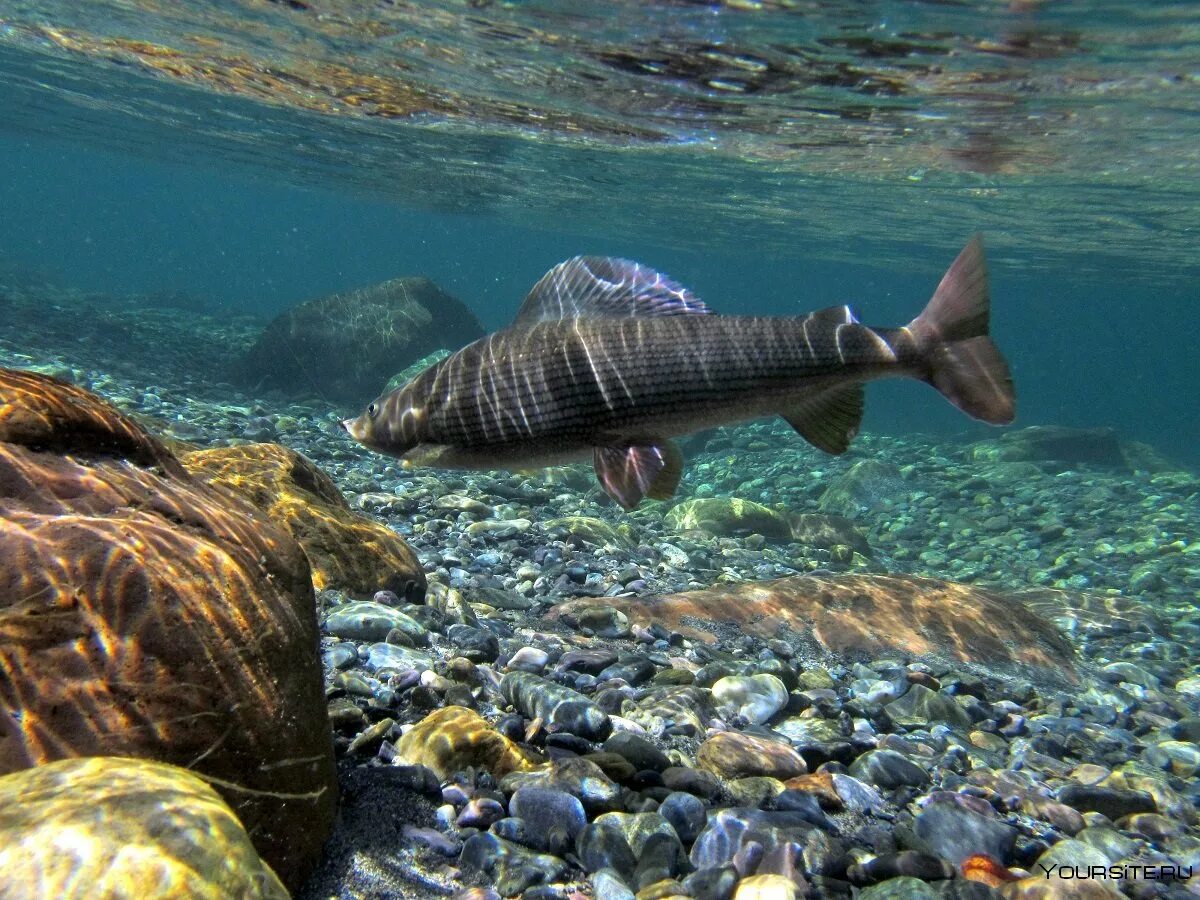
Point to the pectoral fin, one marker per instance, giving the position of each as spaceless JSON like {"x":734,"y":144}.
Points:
{"x":830,"y":420}
{"x":634,"y":471}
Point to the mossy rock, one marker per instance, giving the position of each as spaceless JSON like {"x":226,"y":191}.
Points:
{"x":589,"y":529}
{"x":728,"y":517}
{"x":347,"y":550}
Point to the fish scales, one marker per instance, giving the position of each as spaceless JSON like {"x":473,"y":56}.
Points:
{"x":609,"y":357}
{"x":623,"y":374}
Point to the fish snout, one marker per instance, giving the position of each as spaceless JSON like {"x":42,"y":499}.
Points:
{"x":354,"y":428}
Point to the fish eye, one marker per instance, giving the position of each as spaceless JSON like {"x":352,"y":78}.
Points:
{"x":373,"y":410}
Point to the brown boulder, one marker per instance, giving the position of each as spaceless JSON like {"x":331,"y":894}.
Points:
{"x":145,"y":614}
{"x":346,"y":346}
{"x":345,"y":550}
{"x":864,"y":616}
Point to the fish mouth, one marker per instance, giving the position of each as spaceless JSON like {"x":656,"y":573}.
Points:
{"x":354,"y":428}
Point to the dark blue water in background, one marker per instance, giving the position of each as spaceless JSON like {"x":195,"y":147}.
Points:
{"x":1115,"y":348}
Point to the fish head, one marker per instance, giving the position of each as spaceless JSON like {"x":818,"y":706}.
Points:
{"x":392,"y":424}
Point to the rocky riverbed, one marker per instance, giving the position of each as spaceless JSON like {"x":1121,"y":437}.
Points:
{"x":926,"y":668}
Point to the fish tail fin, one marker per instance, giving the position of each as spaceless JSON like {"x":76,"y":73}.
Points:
{"x":952,"y":336}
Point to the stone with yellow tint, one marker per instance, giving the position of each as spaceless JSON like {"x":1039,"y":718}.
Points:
{"x":820,"y":785}
{"x":146,"y":614}
{"x":455,"y":738}
{"x":1039,"y":887}
{"x":731,"y":755}
{"x":112,"y":827}
{"x":986,"y":740}
{"x":667,"y":889}
{"x":590,"y":529}
{"x":347,"y":551}
{"x":765,"y":887}
{"x":728,"y":516}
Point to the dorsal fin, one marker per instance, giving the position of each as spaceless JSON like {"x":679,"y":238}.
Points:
{"x":605,"y":287}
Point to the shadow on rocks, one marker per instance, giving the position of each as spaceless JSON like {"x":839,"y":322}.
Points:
{"x":369,"y":854}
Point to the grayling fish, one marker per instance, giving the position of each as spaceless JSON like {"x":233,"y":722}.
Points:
{"x":610,"y":358}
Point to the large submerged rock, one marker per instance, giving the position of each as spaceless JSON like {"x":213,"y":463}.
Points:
{"x":144,"y":613}
{"x":347,"y":551}
{"x":865,"y":616}
{"x":345,"y":347}
{"x":135,"y":828}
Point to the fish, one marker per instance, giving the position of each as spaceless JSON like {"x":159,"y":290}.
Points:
{"x":610,"y":359}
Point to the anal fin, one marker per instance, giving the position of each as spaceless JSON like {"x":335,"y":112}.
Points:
{"x":634,"y":471}
{"x":830,"y":420}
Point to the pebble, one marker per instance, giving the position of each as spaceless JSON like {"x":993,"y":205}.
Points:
{"x":578,"y":777}
{"x":560,"y":707}
{"x":553,"y":818}
{"x":919,"y":706}
{"x":904,"y":887}
{"x":641,"y":753}
{"x":602,"y":845}
{"x":765,"y":887}
{"x":954,"y":832}
{"x":608,"y":885}
{"x":732,"y":755}
{"x":512,"y":868}
{"x":686,"y":813}
{"x":887,"y":769}
{"x":894,"y":865}
{"x":755,"y":698}
{"x":365,"y":620}
{"x":1111,"y":802}
{"x":603,"y":621}
{"x":529,"y":659}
